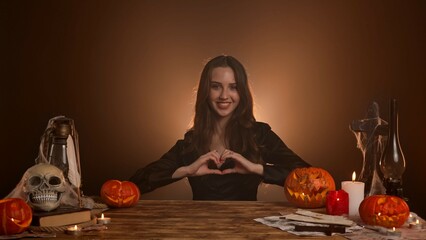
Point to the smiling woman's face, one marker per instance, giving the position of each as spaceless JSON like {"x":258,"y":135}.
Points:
{"x":223,"y":97}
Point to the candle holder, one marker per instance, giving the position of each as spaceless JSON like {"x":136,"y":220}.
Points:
{"x":415,"y":225}
{"x":103,"y":220}
{"x":75,"y":230}
{"x":393,"y":232}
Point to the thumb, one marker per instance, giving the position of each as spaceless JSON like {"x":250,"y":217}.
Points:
{"x":229,"y":170}
{"x":215,"y":171}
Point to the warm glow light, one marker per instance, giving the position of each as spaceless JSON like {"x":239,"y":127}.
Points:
{"x":417,"y":221}
{"x":353,"y":176}
{"x":104,"y":220}
{"x":73,"y":230}
{"x":379,"y":214}
{"x":393,"y":229}
{"x":12,"y":219}
{"x":337,"y":199}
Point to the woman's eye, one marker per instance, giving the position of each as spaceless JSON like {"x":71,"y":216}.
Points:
{"x":215,"y":86}
{"x":233,"y":87}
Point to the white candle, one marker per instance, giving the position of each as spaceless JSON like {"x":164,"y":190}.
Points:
{"x":415,"y":225}
{"x":74,"y":230}
{"x":393,"y":232}
{"x":104,"y":220}
{"x":355,"y":191}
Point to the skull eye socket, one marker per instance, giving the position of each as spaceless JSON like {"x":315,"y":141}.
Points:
{"x":34,"y":181}
{"x":54,"y":181}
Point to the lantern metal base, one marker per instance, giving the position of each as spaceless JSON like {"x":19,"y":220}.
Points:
{"x":394,"y":188}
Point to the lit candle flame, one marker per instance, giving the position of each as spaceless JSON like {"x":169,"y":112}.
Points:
{"x":338,"y":199}
{"x":417,"y":221}
{"x":102,"y":216}
{"x":393,"y":229}
{"x":12,"y":219}
{"x":353,"y":176}
{"x":75,"y":227}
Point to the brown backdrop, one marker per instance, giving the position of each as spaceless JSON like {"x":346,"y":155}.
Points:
{"x":125,"y":71}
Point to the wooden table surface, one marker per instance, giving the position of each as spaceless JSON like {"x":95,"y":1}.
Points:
{"x":185,"y":219}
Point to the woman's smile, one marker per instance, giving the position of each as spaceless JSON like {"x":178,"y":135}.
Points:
{"x":223,"y":105}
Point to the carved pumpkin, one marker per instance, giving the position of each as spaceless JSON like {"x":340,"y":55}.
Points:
{"x":384,"y":210}
{"x":120,"y":193}
{"x":15,"y":216}
{"x":308,"y":187}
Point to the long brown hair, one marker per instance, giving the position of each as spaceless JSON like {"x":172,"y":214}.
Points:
{"x":239,"y":131}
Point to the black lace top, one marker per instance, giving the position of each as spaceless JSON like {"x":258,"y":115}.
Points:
{"x":278,"y":161}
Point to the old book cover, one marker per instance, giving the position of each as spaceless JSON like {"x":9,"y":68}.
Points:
{"x":61,"y":217}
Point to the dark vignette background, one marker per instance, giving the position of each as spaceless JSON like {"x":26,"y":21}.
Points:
{"x":125,"y":71}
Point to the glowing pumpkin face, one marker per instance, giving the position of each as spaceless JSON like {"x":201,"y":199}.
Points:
{"x":120,"y":194}
{"x":308,"y":187}
{"x":384,"y":210}
{"x":15,"y":216}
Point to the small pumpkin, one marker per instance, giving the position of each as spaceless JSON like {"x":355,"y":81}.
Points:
{"x":15,"y":216}
{"x":308,"y":187}
{"x":119,"y":194}
{"x":384,"y":210}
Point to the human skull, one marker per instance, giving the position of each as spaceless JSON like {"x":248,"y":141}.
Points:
{"x":44,"y":186}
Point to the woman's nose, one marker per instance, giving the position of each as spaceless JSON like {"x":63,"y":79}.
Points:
{"x":223,"y":94}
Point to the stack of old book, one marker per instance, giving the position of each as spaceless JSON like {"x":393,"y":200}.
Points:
{"x":61,"y":217}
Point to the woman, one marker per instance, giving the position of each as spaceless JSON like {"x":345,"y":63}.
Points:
{"x":226,"y":154}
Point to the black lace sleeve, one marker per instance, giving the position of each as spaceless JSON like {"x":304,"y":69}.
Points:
{"x":159,"y":173}
{"x":279,"y":160}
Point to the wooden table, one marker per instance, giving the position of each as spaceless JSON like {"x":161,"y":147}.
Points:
{"x":171,"y":219}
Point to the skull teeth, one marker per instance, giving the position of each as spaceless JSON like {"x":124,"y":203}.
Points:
{"x":42,"y":198}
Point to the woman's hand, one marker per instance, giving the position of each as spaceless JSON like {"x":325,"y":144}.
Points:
{"x":242,"y":165}
{"x":200,"y":166}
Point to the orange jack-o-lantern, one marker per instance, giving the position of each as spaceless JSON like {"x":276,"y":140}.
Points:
{"x":120,"y":193}
{"x":384,"y":210}
{"x":15,"y":216}
{"x":308,"y":187}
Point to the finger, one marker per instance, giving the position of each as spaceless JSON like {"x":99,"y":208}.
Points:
{"x":226,"y":154}
{"x":216,"y":155}
{"x":215,"y":171}
{"x":229,"y":170}
{"x":213,"y":155}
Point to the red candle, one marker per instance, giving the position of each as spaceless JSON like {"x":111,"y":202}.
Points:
{"x":337,"y":202}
